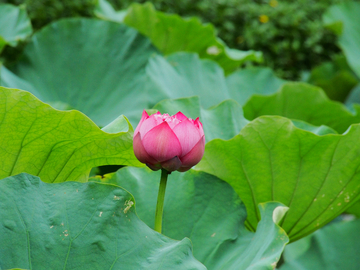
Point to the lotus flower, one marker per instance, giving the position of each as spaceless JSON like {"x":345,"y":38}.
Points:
{"x":169,"y":142}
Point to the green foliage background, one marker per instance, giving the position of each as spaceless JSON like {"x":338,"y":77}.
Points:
{"x":42,"y":12}
{"x":293,"y":39}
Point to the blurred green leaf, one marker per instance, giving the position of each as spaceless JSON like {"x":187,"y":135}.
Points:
{"x":302,"y":102}
{"x":335,"y":78}
{"x":354,"y":209}
{"x":105,"y":11}
{"x":344,"y":20}
{"x":317,"y":177}
{"x":242,"y":84}
{"x":353,"y":100}
{"x":80,"y":226}
{"x":54,"y":145}
{"x":208,"y":211}
{"x":2,"y":44}
{"x":318,"y":130}
{"x":223,"y":121}
{"x":296,"y":249}
{"x":334,"y":247}
{"x":184,"y":74}
{"x":15,"y":24}
{"x":97,"y":67}
{"x":170,"y":33}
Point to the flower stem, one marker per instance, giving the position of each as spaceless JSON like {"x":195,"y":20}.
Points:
{"x":160,"y":200}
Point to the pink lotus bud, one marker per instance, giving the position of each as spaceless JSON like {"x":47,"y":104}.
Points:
{"x":169,"y":142}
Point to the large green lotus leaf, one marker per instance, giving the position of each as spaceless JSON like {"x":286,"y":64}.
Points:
{"x":208,"y":211}
{"x":303,"y":102}
{"x":56,"y":145}
{"x":80,"y":226}
{"x":244,"y":83}
{"x":223,"y":121}
{"x":170,"y":33}
{"x":344,"y":20}
{"x":95,"y":66}
{"x":317,"y":177}
{"x":15,"y":24}
{"x":334,"y":247}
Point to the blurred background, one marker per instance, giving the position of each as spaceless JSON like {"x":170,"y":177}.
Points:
{"x":290,"y":33}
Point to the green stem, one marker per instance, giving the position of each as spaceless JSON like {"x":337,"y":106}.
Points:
{"x":160,"y":200}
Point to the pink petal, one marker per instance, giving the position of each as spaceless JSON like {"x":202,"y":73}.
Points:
{"x":188,"y":135}
{"x":194,"y":156}
{"x":199,"y":126}
{"x":148,"y":124}
{"x":143,"y":117}
{"x":161,"y":143}
{"x":172,"y":121}
{"x":140,"y":151}
{"x":159,"y":118}
{"x":180,"y":116}
{"x":171,"y":164}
